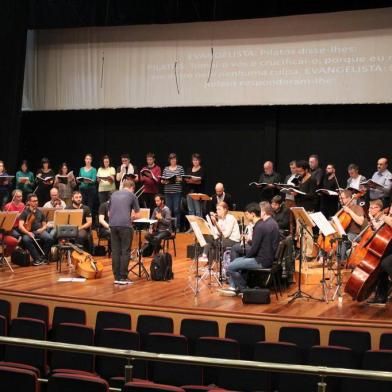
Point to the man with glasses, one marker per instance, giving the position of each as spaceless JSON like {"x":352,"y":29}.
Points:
{"x":32,"y":226}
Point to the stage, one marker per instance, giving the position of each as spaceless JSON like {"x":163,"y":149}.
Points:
{"x":176,"y":299}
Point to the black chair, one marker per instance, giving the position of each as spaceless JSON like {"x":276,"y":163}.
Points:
{"x":34,"y":311}
{"x":3,"y":332}
{"x":272,"y":273}
{"x":65,"y":382}
{"x":106,"y":319}
{"x":16,"y":379}
{"x":139,"y":386}
{"x":173,"y":234}
{"x":213,"y":347}
{"x":5,"y":310}
{"x":358,"y":341}
{"x":68,"y":315}
{"x":112,"y":368}
{"x":303,"y":337}
{"x":380,"y":360}
{"x":171,"y":373}
{"x":29,"y":329}
{"x":279,"y":352}
{"x":147,"y":324}
{"x":386,"y":341}
{"x":196,"y":328}
{"x":246,"y":335}
{"x":330,"y":356}
{"x":75,"y":334}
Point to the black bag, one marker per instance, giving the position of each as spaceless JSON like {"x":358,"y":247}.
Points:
{"x":190,"y":251}
{"x":20,"y":257}
{"x":161,"y":267}
{"x":256,"y":296}
{"x":99,"y":250}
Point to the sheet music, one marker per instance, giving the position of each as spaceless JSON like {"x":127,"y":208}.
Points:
{"x":71,"y":280}
{"x":145,"y":220}
{"x":213,"y":229}
{"x":338,"y":225}
{"x":322,"y":223}
{"x":200,"y":238}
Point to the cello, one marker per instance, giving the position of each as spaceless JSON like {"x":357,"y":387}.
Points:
{"x":365,"y":275}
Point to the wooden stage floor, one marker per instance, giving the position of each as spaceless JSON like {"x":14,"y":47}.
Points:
{"x":175,"y":298}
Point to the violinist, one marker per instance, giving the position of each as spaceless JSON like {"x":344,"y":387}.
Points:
{"x":160,"y":230}
{"x":385,"y":278}
{"x":32,"y":225}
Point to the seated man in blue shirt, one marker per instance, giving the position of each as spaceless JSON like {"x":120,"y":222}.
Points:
{"x":265,"y":241}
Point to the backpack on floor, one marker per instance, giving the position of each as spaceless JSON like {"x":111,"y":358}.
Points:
{"x":161,"y":267}
{"x":20,"y":257}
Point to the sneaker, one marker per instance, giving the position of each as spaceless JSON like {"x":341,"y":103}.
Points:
{"x":116,"y":281}
{"x":38,"y":261}
{"x":127,"y":281}
{"x":203,"y":259}
{"x":377,"y":301}
{"x":229,"y":292}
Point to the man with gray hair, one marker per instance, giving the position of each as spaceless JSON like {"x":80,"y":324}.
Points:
{"x":265,"y":241}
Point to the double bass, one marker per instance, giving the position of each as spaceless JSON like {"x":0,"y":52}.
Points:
{"x":364,"y":277}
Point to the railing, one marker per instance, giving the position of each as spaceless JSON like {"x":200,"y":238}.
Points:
{"x":131,"y":355}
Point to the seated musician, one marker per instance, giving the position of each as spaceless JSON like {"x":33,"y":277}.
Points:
{"x":84,"y":233}
{"x":265,"y":241}
{"x":228,"y":227}
{"x":241,"y":248}
{"x":11,"y":239}
{"x":32,"y":225}
{"x":54,"y":202}
{"x":219,"y":196}
{"x":161,"y":229}
{"x":385,"y":278}
{"x":357,"y":214}
{"x":281,"y":214}
{"x":103,"y":219}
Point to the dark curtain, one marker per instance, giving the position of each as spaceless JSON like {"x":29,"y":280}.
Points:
{"x":13,"y":22}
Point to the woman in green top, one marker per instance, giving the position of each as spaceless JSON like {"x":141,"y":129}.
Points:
{"x":106,"y":176}
{"x":87,"y":185}
{"x":25,"y":179}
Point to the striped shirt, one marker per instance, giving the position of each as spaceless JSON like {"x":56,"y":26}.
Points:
{"x":177,"y":186}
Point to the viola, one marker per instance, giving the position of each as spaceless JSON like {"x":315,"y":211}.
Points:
{"x":84,"y":263}
{"x":28,"y":224}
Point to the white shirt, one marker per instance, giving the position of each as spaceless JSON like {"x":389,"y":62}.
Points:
{"x":230,"y":228}
{"x":384,"y":179}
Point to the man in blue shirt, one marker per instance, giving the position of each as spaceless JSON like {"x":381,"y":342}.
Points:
{"x":123,"y":206}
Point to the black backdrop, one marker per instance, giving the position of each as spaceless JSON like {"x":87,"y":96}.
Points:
{"x":234,"y":142}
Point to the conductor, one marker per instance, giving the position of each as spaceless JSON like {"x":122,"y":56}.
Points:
{"x":123,"y":207}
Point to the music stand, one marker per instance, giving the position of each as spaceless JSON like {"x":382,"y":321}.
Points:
{"x":304,"y":220}
{"x":68,"y":217}
{"x":140,"y":225}
{"x":7,"y":221}
{"x":326,"y":229}
{"x":199,"y":197}
{"x":200,"y":228}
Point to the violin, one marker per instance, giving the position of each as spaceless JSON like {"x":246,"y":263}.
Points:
{"x":28,"y":224}
{"x":84,"y":263}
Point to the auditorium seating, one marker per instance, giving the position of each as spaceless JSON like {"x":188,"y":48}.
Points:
{"x":5,"y":310}
{"x":196,"y":328}
{"x":18,"y":379}
{"x":65,"y":382}
{"x":386,"y":341}
{"x":34,"y":311}
{"x":242,"y":340}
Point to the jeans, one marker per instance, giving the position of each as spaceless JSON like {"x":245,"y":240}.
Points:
{"x":237,"y":250}
{"x":195,"y":207}
{"x":46,"y":243}
{"x":121,"y":240}
{"x":154,"y":240}
{"x":89,"y":196}
{"x":236,"y":280}
{"x":173,"y":201}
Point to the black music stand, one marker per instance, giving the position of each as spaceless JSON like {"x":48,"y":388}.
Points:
{"x":140,"y":225}
{"x":7,"y":221}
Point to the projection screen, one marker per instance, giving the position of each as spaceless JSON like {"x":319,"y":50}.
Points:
{"x":331,"y":58}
